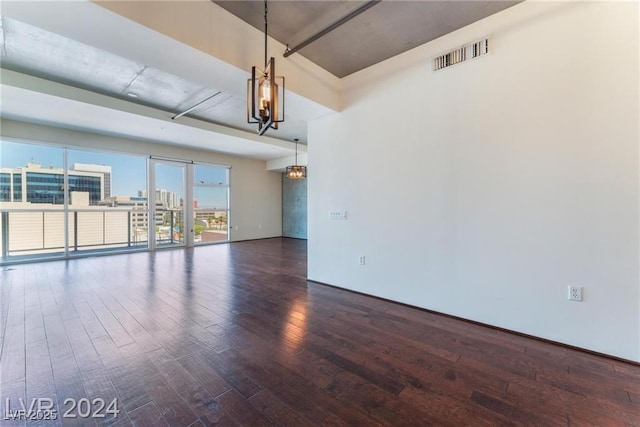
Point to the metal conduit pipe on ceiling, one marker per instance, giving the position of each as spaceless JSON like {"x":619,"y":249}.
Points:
{"x":338,"y":23}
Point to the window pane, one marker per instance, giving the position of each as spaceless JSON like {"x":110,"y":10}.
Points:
{"x":211,"y":175}
{"x":169,"y":203}
{"x":5,"y":187}
{"x":210,"y":226}
{"x":31,"y":200}
{"x":211,"y":214}
{"x":210,"y":198}
{"x":107,"y":200}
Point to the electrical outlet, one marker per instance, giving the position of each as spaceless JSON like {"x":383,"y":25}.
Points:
{"x":361,"y":260}
{"x":575,"y":293}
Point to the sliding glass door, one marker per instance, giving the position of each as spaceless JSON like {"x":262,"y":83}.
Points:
{"x":168,"y":202}
{"x":191,"y":203}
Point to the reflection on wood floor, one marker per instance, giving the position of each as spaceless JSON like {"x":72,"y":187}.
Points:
{"x":233,"y":334}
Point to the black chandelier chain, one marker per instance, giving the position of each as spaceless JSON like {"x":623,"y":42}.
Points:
{"x":266,"y":11}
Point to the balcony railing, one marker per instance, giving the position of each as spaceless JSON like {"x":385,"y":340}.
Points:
{"x":32,"y":232}
{"x":41,"y":232}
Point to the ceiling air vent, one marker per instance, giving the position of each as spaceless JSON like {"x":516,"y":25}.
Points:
{"x":466,"y":52}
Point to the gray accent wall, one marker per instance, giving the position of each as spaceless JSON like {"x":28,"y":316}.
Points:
{"x":294,"y":208}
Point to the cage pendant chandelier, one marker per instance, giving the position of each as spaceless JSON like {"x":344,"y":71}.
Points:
{"x":265,"y":92}
{"x":296,"y":171}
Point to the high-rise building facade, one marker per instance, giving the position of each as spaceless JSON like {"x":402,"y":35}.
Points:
{"x":168,"y":198}
{"x":35,"y":184}
{"x":103,"y":169}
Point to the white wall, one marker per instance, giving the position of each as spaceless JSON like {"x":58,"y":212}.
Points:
{"x":485,"y":189}
{"x":255,"y":193}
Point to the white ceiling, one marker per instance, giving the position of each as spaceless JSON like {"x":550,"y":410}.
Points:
{"x":58,"y":60}
{"x":88,"y":111}
{"x":35,"y":42}
{"x":79,"y":65}
{"x":41,"y":53}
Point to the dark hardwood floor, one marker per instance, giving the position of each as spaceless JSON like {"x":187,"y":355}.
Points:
{"x":235,"y":335}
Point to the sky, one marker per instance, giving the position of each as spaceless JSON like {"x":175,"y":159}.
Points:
{"x":128,"y":173}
